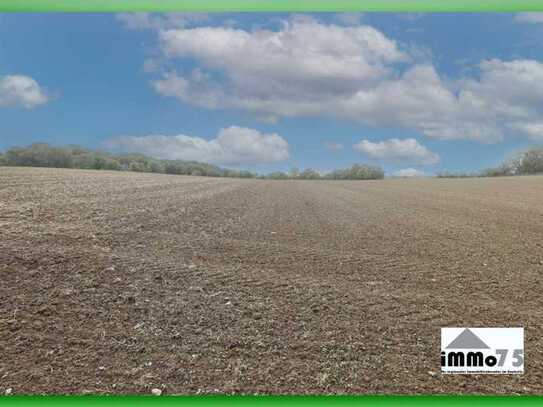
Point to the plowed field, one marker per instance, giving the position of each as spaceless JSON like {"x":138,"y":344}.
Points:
{"x":117,"y":282}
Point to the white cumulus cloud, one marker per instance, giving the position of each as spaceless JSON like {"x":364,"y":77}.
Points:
{"x":409,"y":173}
{"x":21,"y":90}
{"x":311,"y":69}
{"x":298,"y":70}
{"x":397,"y":150}
{"x":232,"y":146}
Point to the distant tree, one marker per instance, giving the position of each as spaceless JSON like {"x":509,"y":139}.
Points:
{"x":357,"y":171}
{"x":447,"y":174}
{"x":499,"y":171}
{"x":111,"y":164}
{"x":294,"y":173}
{"x":156,"y":166}
{"x":43,"y":155}
{"x":277,"y":175}
{"x":309,"y":174}
{"x":246,"y":174}
{"x":196,"y":172}
{"x":39,"y":155}
{"x":136,"y":166}
{"x":231,"y":174}
{"x":530,"y":161}
{"x":526,"y":162}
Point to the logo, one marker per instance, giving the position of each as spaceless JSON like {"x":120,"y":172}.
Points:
{"x":482,"y":350}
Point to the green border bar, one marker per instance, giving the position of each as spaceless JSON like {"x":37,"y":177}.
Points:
{"x":270,"y":401}
{"x":271,"y":5}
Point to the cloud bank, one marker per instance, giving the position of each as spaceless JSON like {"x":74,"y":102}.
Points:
{"x":356,"y":73}
{"x":397,"y":151}
{"x":232,"y":146}
{"x":409,"y":173}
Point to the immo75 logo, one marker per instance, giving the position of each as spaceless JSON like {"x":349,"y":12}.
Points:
{"x":482,"y":350}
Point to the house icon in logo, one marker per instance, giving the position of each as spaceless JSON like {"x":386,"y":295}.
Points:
{"x":467,"y":340}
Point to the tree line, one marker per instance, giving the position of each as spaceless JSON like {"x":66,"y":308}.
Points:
{"x":527,"y":162}
{"x":44,"y":155}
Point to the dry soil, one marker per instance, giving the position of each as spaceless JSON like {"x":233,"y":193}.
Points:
{"x":116,"y":282}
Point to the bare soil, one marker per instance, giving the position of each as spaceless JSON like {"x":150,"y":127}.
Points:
{"x":117,"y":282}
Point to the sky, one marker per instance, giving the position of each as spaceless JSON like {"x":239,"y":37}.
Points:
{"x":412,"y":93}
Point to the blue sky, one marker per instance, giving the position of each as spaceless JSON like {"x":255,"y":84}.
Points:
{"x":433,"y":92}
